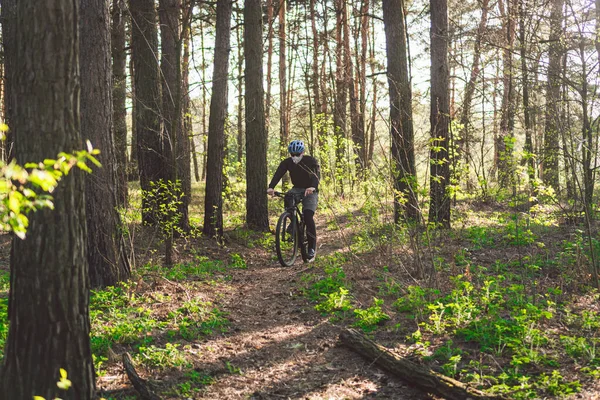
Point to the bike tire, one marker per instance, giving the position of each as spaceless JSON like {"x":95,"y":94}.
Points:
{"x":303,"y":242}
{"x":286,"y":244}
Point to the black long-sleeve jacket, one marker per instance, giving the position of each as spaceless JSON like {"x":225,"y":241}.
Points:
{"x":305,"y":174}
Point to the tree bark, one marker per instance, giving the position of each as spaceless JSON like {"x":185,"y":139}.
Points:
{"x":9,"y":42}
{"x":464,"y":141}
{"x":505,"y":140}
{"x":551,"y":138}
{"x":107,"y":258}
{"x":240,"y":90}
{"x":283,"y":93}
{"x":150,"y":141}
{"x":320,"y":109}
{"x":187,"y":119}
{"x":425,"y":379}
{"x":257,"y":216}
{"x":49,"y":324}
{"x":402,"y":136}
{"x":341,"y":90}
{"x":119,"y":97}
{"x":269,"y":79}
{"x":439,"y":206}
{"x":360,"y":139}
{"x":176,"y":150}
{"x":528,"y":147}
{"x":213,"y":209}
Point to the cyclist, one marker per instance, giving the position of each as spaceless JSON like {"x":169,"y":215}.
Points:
{"x":305,"y":174}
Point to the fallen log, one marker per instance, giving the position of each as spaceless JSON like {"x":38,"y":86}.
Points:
{"x":138,"y":383}
{"x":415,"y":375}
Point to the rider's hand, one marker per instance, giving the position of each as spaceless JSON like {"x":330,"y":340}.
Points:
{"x":271,"y":192}
{"x":308,"y":191}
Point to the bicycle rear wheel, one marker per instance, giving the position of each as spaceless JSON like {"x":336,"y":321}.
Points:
{"x":286,"y":239}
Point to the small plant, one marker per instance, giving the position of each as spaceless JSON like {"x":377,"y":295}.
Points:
{"x":162,"y":358}
{"x":237,"y":261}
{"x":369,"y":318}
{"x":555,"y":385}
{"x":336,"y":301}
{"x":233,"y":370}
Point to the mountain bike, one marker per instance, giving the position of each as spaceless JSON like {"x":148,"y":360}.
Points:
{"x":290,"y":234}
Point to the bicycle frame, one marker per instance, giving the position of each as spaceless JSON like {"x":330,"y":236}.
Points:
{"x":297,"y":220}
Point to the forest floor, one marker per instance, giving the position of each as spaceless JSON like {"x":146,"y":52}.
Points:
{"x":504,"y":302}
{"x":275,"y":345}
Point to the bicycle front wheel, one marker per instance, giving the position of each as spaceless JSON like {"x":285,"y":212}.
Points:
{"x":286,"y":239}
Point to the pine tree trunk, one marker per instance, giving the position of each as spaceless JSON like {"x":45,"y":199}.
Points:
{"x":269,"y":78}
{"x":283,"y":92}
{"x":8,"y":16}
{"x":373,"y":67}
{"x":402,"y":136}
{"x":528,"y":147}
{"x":204,"y":135}
{"x":505,"y":139}
{"x":257,"y":216}
{"x":318,"y":101}
{"x":439,"y":206}
{"x":150,"y":141}
{"x":119,"y":97}
{"x":49,"y":323}
{"x":240,"y":95}
{"x":551,"y":138}
{"x":341,"y":88}
{"x":107,"y":258}
{"x":465,"y":115}
{"x":361,"y":139}
{"x":213,"y":208}
{"x":187,"y":119}
{"x":133,"y":173}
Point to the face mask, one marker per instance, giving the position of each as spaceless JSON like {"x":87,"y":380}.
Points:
{"x":296,"y":160}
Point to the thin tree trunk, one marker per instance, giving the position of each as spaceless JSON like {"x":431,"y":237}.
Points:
{"x":505,"y":139}
{"x":341,"y":88}
{"x":176,"y":151}
{"x":402,"y":136}
{"x":8,"y":17}
{"x":240,"y":90}
{"x":551,"y":139}
{"x":132,"y":163}
{"x":528,"y":148}
{"x":204,"y":134}
{"x":150,"y":141}
{"x":270,"y":22}
{"x":587,"y":154}
{"x":257,"y":216}
{"x":362,"y":81}
{"x":106,"y":254}
{"x":213,"y":209}
{"x":119,"y":97}
{"x":465,"y":115}
{"x":284,"y":132}
{"x":355,"y":130}
{"x":49,"y":323}
{"x":439,"y":206}
{"x":187,"y":112}
{"x":374,"y":106}
{"x":567,"y":153}
{"x":318,"y":101}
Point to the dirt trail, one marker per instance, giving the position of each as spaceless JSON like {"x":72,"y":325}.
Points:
{"x":283,"y":348}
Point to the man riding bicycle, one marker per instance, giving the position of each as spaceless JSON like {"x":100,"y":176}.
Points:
{"x":305,"y":174}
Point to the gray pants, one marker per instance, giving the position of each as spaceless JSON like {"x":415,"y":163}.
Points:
{"x":309,"y":202}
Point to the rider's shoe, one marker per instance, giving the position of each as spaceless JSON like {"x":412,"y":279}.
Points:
{"x":311,"y":255}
